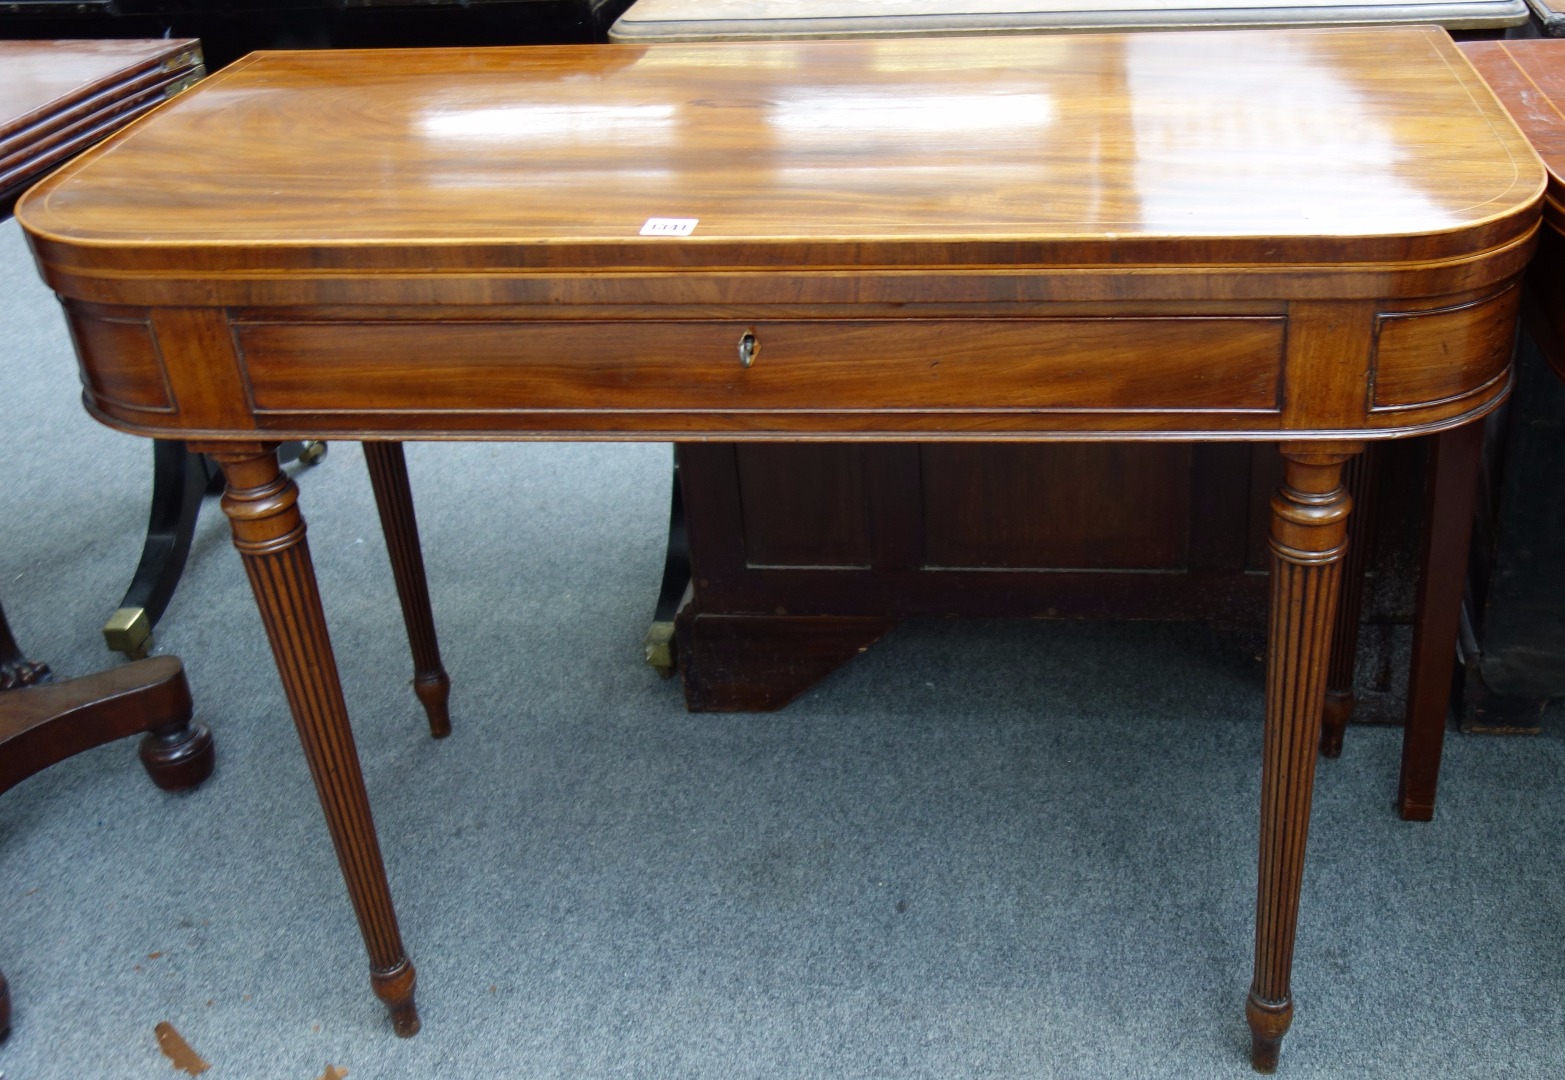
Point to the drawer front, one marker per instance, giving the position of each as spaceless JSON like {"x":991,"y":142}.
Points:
{"x":1426,"y":357}
{"x":984,"y":365}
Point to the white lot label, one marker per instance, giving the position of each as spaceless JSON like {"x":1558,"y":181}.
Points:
{"x":669,"y":226}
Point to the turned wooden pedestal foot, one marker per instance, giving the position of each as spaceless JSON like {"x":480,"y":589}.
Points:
{"x":42,"y":725}
{"x":394,"y":499}
{"x":1308,"y":539}
{"x":262,"y":507}
{"x":177,"y":757}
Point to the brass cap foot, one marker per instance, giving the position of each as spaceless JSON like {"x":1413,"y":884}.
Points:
{"x":129,"y":631}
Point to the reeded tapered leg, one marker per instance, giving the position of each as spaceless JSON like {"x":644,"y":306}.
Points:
{"x":262,"y":507}
{"x":1358,"y":476}
{"x":394,"y":499}
{"x":1450,"y":488}
{"x":1308,"y":538}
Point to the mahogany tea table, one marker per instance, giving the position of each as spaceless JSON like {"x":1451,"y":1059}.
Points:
{"x":1313,"y":238}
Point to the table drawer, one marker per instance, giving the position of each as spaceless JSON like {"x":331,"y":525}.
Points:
{"x":967,"y":364}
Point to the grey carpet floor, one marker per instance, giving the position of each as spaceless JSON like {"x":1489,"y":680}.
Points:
{"x":983,"y":849}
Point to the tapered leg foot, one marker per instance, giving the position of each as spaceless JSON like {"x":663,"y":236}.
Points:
{"x":1269,"y":1022}
{"x":395,"y":988}
{"x":394,"y":500}
{"x":179,"y":757}
{"x":434,"y":692}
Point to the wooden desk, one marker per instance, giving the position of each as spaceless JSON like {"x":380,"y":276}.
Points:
{"x":1309,"y":237}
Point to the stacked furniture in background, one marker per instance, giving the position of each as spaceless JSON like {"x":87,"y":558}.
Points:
{"x":58,"y":98}
{"x":230,"y":30}
{"x":1514,"y":640}
{"x":802,"y":556}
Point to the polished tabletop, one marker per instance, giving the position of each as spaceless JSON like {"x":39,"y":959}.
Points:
{"x":1238,"y":148}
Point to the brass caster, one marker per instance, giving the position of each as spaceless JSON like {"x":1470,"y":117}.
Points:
{"x":129,"y":631}
{"x":312,"y":453}
{"x":660,"y":648}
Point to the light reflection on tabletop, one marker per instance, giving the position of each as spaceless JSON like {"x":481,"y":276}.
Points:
{"x":1224,"y":134}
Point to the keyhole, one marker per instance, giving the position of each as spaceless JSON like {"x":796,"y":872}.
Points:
{"x":748,"y":348}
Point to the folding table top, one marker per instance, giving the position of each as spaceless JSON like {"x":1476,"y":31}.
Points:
{"x":729,"y":20}
{"x":59,"y":97}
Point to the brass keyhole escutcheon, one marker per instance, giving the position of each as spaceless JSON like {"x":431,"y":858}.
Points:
{"x":749,"y":347}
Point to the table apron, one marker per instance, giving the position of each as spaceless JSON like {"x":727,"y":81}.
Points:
{"x":1303,"y":369}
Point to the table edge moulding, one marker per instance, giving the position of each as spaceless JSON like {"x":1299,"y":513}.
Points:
{"x":1024,"y":238}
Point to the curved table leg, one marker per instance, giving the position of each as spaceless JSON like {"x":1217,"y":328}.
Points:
{"x":1450,"y":490}
{"x":388,"y":471}
{"x":1308,"y":538}
{"x":262,"y":507}
{"x":1359,"y":477}
{"x":180,"y":479}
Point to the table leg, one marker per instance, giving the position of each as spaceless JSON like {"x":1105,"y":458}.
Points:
{"x":388,"y":471}
{"x":1308,"y":538}
{"x":1359,"y":477}
{"x":262,"y":508}
{"x":1450,"y":488}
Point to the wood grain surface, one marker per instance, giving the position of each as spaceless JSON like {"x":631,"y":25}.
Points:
{"x":1036,"y":237}
{"x":1529,"y":79}
{"x":46,"y":81}
{"x":1270,"y":147}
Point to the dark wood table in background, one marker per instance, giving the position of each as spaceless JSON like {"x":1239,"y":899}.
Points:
{"x":800,"y":557}
{"x":1529,"y":79}
{"x":1081,"y":239}
{"x":56,"y":99}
